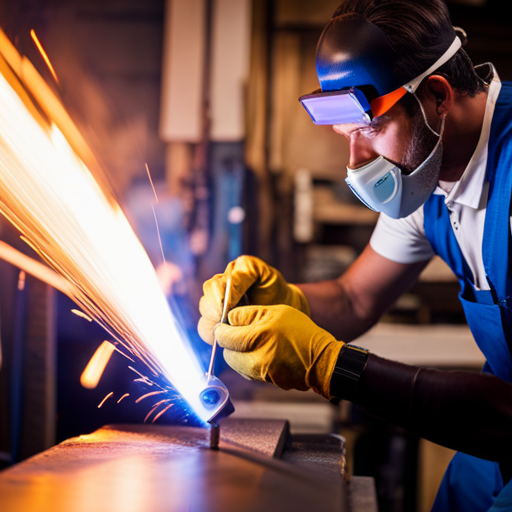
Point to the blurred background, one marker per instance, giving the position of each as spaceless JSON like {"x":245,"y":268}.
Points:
{"x":203,"y":94}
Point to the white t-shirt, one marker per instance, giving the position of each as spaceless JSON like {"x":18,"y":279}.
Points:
{"x":404,"y":240}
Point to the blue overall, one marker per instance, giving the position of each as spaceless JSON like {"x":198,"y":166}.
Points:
{"x":471,"y":484}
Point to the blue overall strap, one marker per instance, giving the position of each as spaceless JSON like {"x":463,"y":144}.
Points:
{"x":496,"y":243}
{"x":439,"y":232}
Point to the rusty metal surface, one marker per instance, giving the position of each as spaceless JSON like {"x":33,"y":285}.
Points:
{"x":148,"y":468}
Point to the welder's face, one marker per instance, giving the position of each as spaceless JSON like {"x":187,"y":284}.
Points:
{"x":403,"y":139}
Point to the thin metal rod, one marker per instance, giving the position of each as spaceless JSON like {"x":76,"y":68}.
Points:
{"x":222,"y":320}
{"x":214,"y":436}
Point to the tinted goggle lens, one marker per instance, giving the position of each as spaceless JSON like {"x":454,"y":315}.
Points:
{"x":338,"y":107}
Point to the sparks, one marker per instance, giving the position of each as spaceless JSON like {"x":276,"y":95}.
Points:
{"x":151,"y":181}
{"x":36,"y":269}
{"x":96,"y":366}
{"x":137,"y":372}
{"x":144,"y":381}
{"x":123,"y":397}
{"x":21,"y":281}
{"x":124,"y":355}
{"x":158,"y":234}
{"x":105,"y":399}
{"x":161,"y":413}
{"x":43,"y":54}
{"x":77,"y":312}
{"x":154,"y":213}
{"x":53,"y":190}
{"x":155,"y":407}
{"x":148,"y":395}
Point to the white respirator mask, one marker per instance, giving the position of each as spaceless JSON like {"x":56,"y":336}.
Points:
{"x":382,"y":186}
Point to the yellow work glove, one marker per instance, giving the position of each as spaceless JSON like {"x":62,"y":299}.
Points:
{"x":250,"y":276}
{"x":279,"y":344}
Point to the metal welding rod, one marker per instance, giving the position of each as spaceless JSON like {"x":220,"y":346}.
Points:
{"x":214,"y":436}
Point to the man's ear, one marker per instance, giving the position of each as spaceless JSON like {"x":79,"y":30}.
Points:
{"x":437,"y":89}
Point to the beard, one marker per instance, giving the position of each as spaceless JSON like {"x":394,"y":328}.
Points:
{"x":422,"y":143}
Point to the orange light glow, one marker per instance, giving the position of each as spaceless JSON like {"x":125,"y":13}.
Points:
{"x":44,"y":55}
{"x":21,"y":280}
{"x":96,"y":366}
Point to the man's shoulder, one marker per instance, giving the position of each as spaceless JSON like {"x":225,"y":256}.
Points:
{"x":501,"y":128}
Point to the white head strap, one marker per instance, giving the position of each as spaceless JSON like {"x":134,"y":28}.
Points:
{"x":447,"y":55}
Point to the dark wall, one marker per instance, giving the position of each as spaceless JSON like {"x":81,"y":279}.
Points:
{"x":107,"y":56}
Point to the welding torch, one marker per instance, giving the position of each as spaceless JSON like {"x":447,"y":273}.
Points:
{"x":215,"y":396}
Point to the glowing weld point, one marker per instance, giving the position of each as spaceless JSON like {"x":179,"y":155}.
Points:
{"x":77,"y":312}
{"x":105,"y":399}
{"x":124,"y":396}
{"x":43,"y":53}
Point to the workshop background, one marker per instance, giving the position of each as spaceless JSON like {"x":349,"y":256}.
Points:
{"x":204,"y":95}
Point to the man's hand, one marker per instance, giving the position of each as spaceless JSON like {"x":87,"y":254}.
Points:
{"x":263,"y":284}
{"x":279,"y":344}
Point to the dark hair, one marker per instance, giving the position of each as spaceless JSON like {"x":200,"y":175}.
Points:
{"x":416,"y":30}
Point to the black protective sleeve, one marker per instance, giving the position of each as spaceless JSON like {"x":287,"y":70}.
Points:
{"x":466,"y":411}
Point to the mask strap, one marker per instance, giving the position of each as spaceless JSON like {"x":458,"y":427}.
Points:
{"x":440,"y":134}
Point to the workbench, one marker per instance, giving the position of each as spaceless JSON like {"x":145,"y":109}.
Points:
{"x":259,"y":466}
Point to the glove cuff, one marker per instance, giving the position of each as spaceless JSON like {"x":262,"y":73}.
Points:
{"x":346,"y":376}
{"x":318,"y":377}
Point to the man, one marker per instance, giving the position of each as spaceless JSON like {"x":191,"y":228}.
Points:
{"x":417,"y":114}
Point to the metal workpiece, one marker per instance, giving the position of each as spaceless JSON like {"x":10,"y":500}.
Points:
{"x":154,"y":468}
{"x":214,"y":436}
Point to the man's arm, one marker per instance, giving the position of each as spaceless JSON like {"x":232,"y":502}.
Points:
{"x":350,"y":305}
{"x":466,"y":411}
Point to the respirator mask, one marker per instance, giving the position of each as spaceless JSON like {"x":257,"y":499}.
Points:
{"x":383,"y":187}
{"x":351,"y":51}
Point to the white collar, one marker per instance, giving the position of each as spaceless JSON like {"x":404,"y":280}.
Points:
{"x":468,"y":189}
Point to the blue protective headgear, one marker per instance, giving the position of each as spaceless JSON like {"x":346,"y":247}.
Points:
{"x":356,"y":68}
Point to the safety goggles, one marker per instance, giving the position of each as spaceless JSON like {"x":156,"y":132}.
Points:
{"x":352,"y":106}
